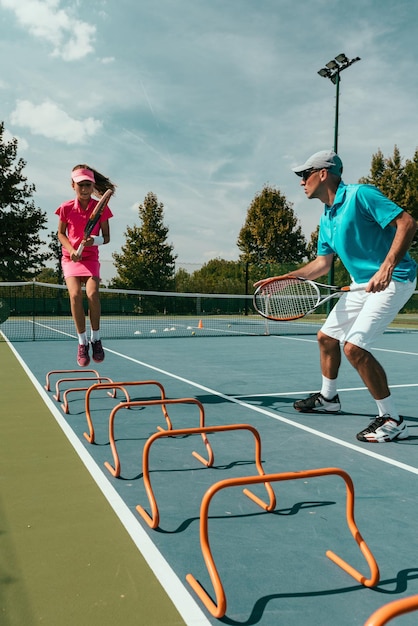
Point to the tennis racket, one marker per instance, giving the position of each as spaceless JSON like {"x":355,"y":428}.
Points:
{"x":94,"y":217}
{"x":287,"y":298}
{"x":4,"y":311}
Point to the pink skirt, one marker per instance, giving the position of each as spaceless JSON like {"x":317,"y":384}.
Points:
{"x":85,"y":267}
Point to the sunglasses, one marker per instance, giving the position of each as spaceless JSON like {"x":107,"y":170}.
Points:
{"x":307,"y":174}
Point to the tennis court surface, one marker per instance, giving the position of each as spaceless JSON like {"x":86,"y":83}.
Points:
{"x":270,"y":567}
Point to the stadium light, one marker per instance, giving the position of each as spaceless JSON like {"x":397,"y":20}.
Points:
{"x":332,"y":70}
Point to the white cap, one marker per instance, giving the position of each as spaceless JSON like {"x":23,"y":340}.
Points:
{"x":325,"y":159}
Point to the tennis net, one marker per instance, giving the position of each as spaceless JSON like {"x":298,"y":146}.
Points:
{"x":33,"y":311}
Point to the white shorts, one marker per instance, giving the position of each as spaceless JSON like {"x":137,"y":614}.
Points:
{"x":360,"y":317}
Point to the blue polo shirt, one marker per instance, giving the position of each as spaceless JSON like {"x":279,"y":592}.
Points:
{"x":357,"y":228}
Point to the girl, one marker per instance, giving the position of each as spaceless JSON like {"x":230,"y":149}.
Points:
{"x":84,"y":269}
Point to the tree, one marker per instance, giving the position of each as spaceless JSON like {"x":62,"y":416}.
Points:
{"x":56,"y":255}
{"x":47,"y":275}
{"x":20,"y":220}
{"x":312,"y":246}
{"x":216,"y":276}
{"x":397,"y":181}
{"x":147,"y":261}
{"x":271,"y":233}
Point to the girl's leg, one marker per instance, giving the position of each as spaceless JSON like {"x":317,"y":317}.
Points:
{"x":92,"y":292}
{"x":77,"y":311}
{"x":76,"y":302}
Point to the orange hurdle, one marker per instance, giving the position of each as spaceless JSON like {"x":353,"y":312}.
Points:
{"x":57,"y":395}
{"x":393,"y":609}
{"x":49,"y":374}
{"x":121,"y":385}
{"x":65,"y":406}
{"x":218,"y":608}
{"x":153,"y":520}
{"x":115,"y":470}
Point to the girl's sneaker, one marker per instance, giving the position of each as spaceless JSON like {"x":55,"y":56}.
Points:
{"x":83,"y":358}
{"x":98,"y":352}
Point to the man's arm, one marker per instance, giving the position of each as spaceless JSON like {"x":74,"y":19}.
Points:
{"x":406,"y":228}
{"x":318,"y":267}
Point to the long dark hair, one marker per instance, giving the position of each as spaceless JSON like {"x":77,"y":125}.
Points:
{"x":102,"y":183}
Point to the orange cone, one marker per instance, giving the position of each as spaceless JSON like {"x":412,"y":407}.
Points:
{"x":200,"y":324}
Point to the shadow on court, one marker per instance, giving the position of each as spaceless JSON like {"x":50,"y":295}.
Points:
{"x":273,"y":565}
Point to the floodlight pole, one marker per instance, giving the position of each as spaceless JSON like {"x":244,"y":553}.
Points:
{"x":337,"y":110}
{"x":332,"y":70}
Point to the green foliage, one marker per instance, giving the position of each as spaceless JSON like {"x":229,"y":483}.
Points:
{"x":233,"y":277}
{"x":271,"y":233}
{"x":55,"y":255}
{"x":396,"y":180}
{"x":312,"y":246}
{"x":341,"y":276}
{"x":47,"y":275}
{"x":20,"y":220}
{"x":216,"y":276}
{"x":147,"y":261}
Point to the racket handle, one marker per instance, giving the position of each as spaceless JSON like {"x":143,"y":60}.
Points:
{"x":80,"y":249}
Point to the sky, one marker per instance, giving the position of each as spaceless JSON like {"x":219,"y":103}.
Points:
{"x":202,"y":103}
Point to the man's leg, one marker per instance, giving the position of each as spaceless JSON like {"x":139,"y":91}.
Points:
{"x":330,"y":355}
{"x":327,"y":400}
{"x":388,"y":425}
{"x":371,"y":372}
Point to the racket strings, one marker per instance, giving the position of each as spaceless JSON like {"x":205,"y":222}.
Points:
{"x":287,"y":299}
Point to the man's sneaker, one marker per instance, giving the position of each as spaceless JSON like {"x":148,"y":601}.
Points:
{"x":83,"y":358}
{"x":384,"y":428}
{"x":317,"y":402}
{"x":98,"y":352}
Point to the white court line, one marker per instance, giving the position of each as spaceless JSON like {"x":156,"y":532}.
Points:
{"x":276,"y":416}
{"x":290,"y":338}
{"x":178,"y":593}
{"x":298,"y":393}
{"x":185,"y":604}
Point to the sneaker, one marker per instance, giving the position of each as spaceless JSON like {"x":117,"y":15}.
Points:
{"x":83,"y":358}
{"x":98,"y":352}
{"x":317,"y":402}
{"x":382,"y":429}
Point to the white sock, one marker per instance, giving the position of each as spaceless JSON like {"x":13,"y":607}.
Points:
{"x":329,"y":387}
{"x":95,"y":335}
{"x":82,"y":338}
{"x":387,"y":406}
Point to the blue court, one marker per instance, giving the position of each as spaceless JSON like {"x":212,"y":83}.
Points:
{"x":273,"y":565}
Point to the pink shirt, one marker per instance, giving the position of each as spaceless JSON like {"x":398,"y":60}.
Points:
{"x":76,"y":218}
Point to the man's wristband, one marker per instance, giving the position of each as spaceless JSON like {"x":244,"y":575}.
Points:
{"x":98,"y":240}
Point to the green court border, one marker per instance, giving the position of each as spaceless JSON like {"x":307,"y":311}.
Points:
{"x":65,"y":557}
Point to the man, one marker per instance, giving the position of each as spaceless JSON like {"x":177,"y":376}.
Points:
{"x":371,"y":235}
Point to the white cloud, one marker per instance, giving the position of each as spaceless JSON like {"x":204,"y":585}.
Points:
{"x":48,"y":120}
{"x":71,"y":38}
{"x":203,"y":102}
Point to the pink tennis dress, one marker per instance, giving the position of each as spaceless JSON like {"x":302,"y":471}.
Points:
{"x":76,"y":218}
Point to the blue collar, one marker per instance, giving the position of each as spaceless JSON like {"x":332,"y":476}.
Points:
{"x":339,"y":197}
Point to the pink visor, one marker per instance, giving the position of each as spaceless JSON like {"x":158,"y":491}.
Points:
{"x":82,"y":174}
